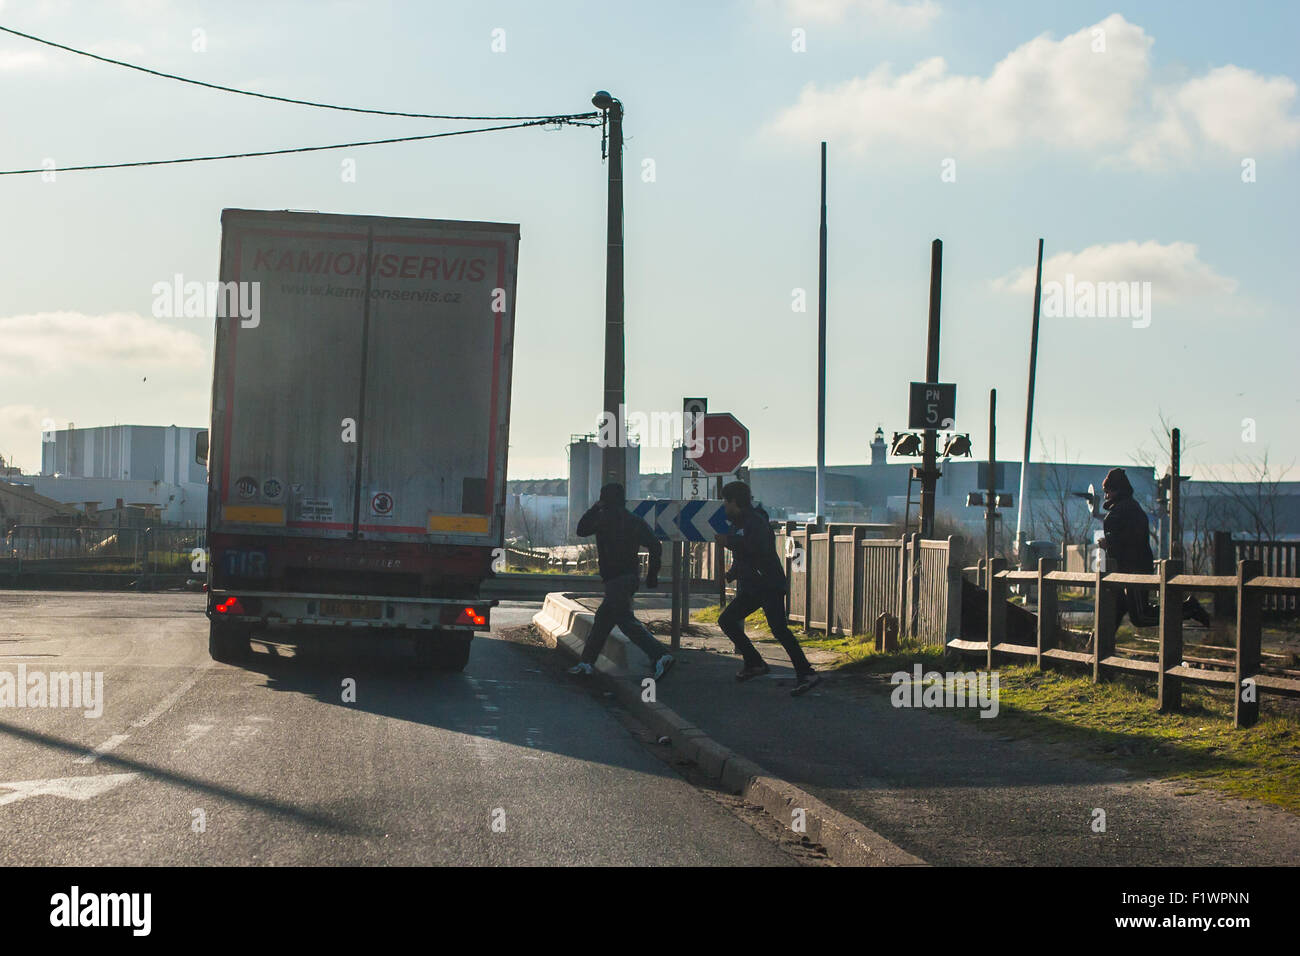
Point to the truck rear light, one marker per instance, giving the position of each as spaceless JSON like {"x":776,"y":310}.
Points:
{"x":230,"y":605}
{"x":471,"y":616}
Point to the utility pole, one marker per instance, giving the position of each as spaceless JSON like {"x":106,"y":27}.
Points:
{"x":614,"y":457}
{"x":1029,"y":405}
{"x":990,"y":501}
{"x":1175,"y":497}
{"x":928,"y":470}
{"x":821,"y":355}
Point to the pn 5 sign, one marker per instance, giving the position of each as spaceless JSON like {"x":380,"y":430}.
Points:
{"x":932,"y":405}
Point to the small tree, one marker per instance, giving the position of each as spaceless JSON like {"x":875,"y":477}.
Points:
{"x":1252,"y":502}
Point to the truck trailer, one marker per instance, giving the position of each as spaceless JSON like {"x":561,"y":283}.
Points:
{"x":360,"y":421}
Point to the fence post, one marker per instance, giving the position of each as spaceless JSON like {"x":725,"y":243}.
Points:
{"x":807,"y":577}
{"x":914,"y":590}
{"x":901,"y":595}
{"x":856,"y":624}
{"x":1224,"y":564}
{"x":1103,"y":624}
{"x":1046,"y":609}
{"x":1170,"y":687}
{"x":997,"y":606}
{"x":952,"y":625}
{"x":830,"y":579}
{"x":789,"y":562}
{"x":1249,"y":631}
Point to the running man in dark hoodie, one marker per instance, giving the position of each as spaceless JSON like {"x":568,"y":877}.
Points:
{"x":620,"y":536}
{"x":760,"y":583}
{"x":1128,"y":543}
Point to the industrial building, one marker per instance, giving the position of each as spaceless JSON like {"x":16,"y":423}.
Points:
{"x":133,"y":468}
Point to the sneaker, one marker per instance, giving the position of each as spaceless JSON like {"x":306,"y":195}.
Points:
{"x":805,"y":683}
{"x":581,"y":669}
{"x":663,"y":666}
{"x":752,"y":670}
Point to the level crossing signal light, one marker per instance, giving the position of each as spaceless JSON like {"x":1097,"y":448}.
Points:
{"x":905,"y":445}
{"x":957,"y":446}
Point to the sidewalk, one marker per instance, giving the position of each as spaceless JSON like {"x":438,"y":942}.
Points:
{"x":947,"y":792}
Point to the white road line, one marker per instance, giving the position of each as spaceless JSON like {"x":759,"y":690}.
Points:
{"x":72,"y":788}
{"x":165,"y":704}
{"x":112,"y":743}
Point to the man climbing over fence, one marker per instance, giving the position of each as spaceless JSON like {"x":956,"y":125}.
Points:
{"x":1128,"y":544}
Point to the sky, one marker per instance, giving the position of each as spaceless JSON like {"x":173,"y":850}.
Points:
{"x":1155,"y":145}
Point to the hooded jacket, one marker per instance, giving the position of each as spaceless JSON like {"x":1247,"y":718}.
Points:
{"x":620,"y":535}
{"x":755,"y":562}
{"x":1128,"y":532}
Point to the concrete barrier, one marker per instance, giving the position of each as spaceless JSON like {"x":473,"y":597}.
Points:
{"x":564,"y":621}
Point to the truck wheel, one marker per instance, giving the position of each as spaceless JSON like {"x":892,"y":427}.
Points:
{"x":446,"y":651}
{"x":228,"y":644}
{"x":455,"y":652}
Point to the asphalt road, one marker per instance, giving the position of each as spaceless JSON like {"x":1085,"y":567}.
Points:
{"x":197,"y":763}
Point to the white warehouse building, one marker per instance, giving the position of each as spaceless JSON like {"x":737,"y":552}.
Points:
{"x":149,"y":465}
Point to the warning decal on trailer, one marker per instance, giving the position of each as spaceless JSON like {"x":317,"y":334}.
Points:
{"x":381,"y":504}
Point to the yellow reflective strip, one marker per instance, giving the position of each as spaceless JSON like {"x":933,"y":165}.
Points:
{"x":253,"y":514}
{"x":468,"y":524}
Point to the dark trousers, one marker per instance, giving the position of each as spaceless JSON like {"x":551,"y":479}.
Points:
{"x":616,"y":610}
{"x":1142,"y":614}
{"x":746,"y":602}
{"x":1134,"y":604}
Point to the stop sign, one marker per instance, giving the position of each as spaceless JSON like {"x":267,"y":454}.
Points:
{"x":722,"y":443}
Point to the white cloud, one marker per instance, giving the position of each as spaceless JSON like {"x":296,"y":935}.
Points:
{"x":1231,"y":108}
{"x":20,"y":435}
{"x":15,"y":60}
{"x":1058,"y":94}
{"x":1174,"y":270}
{"x":896,"y":14}
{"x":68,"y":341}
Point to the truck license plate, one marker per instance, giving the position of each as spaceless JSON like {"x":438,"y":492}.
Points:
{"x":351,"y":609}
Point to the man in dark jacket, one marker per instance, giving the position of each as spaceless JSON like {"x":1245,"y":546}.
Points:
{"x":1128,"y":544}
{"x":620,"y":536}
{"x":760,"y":583}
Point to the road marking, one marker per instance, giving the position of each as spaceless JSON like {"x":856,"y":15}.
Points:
{"x":192,"y":733}
{"x":165,"y":704}
{"x":73,"y":788}
{"x":112,"y":743}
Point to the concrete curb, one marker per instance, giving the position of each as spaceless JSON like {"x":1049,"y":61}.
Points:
{"x":567,"y":623}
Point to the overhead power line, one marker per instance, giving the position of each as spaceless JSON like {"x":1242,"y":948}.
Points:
{"x":297,"y":149}
{"x":278,"y":99}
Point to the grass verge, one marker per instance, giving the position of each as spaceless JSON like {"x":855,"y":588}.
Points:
{"x":1115,"y":721}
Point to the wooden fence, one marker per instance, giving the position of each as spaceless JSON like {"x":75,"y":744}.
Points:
{"x":841,"y":581}
{"x":1249,"y":586}
{"x":1279,"y":559}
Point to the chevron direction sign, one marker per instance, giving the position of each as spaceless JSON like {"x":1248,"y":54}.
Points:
{"x":681,"y":520}
{"x":702,"y":520}
{"x":661,"y":516}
